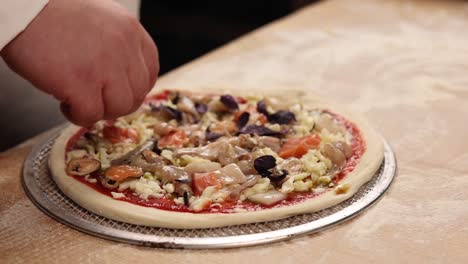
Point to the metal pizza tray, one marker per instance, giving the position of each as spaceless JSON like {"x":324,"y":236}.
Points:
{"x":45,"y":194}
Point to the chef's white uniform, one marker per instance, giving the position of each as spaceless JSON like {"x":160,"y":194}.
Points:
{"x":15,"y":16}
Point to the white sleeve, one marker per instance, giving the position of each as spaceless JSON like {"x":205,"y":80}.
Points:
{"x":15,"y":16}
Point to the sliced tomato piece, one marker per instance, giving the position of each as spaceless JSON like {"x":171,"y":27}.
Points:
{"x":158,"y":97}
{"x":176,"y":139}
{"x":116,"y":134}
{"x":201,"y":181}
{"x":297,"y":147}
{"x":241,"y":100}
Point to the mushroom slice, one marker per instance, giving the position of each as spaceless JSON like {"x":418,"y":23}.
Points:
{"x":197,"y":138}
{"x":336,"y":156}
{"x":153,"y":167}
{"x":203,"y":152}
{"x":83,"y":166}
{"x":210,"y":151}
{"x":271,"y":142}
{"x":292,"y":165}
{"x":163,"y":128}
{"x":227,"y":154}
{"x":150,"y":156}
{"x":179,"y":178}
{"x":247,"y":142}
{"x":201,"y":167}
{"x":183,"y":189}
{"x":186,"y":105}
{"x":172,"y":174}
{"x":246,"y":167}
{"x":326,"y":121}
{"x":344,"y":147}
{"x":235,"y":191}
{"x":231,"y":174}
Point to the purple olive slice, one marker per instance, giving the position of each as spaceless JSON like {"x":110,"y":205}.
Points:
{"x":262,"y":108}
{"x":201,"y":108}
{"x":282,"y":117}
{"x":243,"y":119}
{"x":212,"y":136}
{"x":229,"y":101}
{"x":259,"y":130}
{"x":264,"y":164}
{"x":166,"y":112}
{"x":186,"y":199}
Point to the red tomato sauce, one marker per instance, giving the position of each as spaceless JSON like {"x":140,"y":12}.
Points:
{"x":358,"y":146}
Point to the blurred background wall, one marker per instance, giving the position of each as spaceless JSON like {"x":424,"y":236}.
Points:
{"x":183,"y":30}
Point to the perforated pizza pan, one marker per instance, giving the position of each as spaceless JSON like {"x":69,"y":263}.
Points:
{"x":45,"y":194}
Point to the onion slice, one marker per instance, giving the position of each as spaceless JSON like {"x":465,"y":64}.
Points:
{"x":268,"y":198}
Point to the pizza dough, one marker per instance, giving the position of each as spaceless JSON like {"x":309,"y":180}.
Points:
{"x":135,"y":214}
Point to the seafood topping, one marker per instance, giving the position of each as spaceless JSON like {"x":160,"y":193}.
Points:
{"x":198,"y":153}
{"x":83,"y":166}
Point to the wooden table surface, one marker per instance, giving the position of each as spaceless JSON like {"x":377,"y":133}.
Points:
{"x":403,"y":64}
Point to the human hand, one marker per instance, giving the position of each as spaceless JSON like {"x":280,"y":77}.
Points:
{"x":91,"y":55}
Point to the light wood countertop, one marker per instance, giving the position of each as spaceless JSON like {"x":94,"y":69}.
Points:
{"x":402,"y":64}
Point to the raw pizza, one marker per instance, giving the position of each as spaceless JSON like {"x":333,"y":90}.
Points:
{"x":186,"y":160}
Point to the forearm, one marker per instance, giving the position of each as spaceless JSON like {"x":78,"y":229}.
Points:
{"x":15,"y":16}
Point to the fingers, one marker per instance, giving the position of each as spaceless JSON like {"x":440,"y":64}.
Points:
{"x":113,"y":100}
{"x":143,"y":69}
{"x":122,"y":93}
{"x":125,"y":81}
{"x":117,"y":95}
{"x":151,"y":57}
{"x":82,"y":109}
{"x":138,"y":77}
